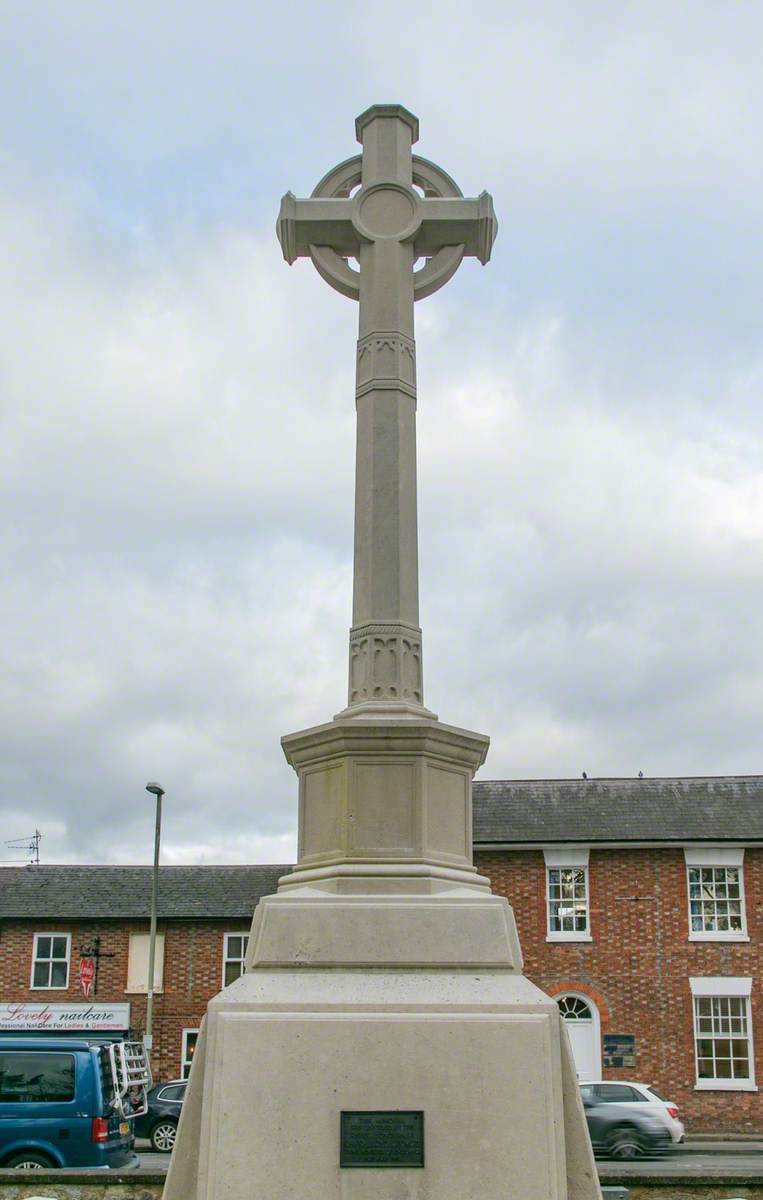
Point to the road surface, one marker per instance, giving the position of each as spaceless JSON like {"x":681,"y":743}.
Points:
{"x":738,"y":1159}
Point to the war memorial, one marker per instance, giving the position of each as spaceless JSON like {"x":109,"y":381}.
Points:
{"x":384,"y":1044}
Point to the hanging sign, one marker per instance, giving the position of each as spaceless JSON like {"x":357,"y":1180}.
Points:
{"x":86,"y":974}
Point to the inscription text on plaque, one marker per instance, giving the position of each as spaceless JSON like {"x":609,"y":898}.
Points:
{"x":381,"y":1139}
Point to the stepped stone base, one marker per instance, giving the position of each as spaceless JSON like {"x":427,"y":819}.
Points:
{"x":481,"y":1052}
{"x":383,"y":977}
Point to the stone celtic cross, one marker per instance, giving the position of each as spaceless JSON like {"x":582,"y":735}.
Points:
{"x":387,"y":209}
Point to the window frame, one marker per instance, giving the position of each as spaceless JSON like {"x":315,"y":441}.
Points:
{"x":726,"y":988}
{"x":574,"y":1016}
{"x":568,"y":859}
{"x":50,"y":987}
{"x":593,"y":1023}
{"x":133,"y":985}
{"x":184,"y":1051}
{"x":228,"y":958}
{"x":717,"y":858}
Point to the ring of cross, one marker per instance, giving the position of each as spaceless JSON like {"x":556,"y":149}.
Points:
{"x":340,"y":182}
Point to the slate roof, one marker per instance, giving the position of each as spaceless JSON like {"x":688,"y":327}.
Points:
{"x":185,"y":893}
{"x":702,"y":809}
{"x":506,"y":812}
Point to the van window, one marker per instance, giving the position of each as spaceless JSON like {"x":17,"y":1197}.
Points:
{"x":31,"y":1078}
{"x":107,"y":1079}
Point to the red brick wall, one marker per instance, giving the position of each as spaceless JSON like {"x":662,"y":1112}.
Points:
{"x":193,"y":968}
{"x":637,"y":967}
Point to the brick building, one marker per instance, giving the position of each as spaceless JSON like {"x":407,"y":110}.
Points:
{"x":639,"y":905}
{"x":51,"y":916}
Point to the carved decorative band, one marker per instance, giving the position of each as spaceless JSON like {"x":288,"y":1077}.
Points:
{"x":386,"y":337}
{"x":385,"y":663}
{"x":386,"y":360}
{"x":389,"y":628}
{"x":385,"y":385}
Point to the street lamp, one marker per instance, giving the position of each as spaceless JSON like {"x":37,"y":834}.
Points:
{"x":157,"y":790}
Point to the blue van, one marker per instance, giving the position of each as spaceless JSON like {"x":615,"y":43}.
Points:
{"x":61,"y":1105}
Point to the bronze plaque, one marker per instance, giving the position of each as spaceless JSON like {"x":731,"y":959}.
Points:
{"x":381,"y":1139}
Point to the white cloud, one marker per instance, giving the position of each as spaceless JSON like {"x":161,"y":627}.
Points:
{"x":178,"y":425}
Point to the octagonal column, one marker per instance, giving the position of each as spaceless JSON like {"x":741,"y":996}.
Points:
{"x":385,"y":640}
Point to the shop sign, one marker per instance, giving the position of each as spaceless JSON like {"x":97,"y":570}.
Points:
{"x":61,"y":1018}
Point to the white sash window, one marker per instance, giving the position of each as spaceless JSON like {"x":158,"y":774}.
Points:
{"x":723,"y":1033}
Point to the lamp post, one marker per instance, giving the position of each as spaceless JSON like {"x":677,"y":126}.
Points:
{"x":157,"y":790}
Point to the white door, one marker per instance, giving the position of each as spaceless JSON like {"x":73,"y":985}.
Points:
{"x":583,"y":1028}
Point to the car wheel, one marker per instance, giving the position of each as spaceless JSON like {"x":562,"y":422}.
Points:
{"x":163,"y":1136}
{"x":624,"y":1143}
{"x":29,"y":1160}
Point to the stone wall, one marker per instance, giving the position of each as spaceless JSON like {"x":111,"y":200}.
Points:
{"x":82,"y":1185}
{"x":684,"y":1191}
{"x":147,"y":1185}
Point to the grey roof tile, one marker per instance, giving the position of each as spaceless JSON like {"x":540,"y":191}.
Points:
{"x":511,"y":812}
{"x":84,"y":892}
{"x":710,"y":808}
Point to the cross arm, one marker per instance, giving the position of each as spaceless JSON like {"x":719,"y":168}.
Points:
{"x":316,"y":222}
{"x":457,"y":221}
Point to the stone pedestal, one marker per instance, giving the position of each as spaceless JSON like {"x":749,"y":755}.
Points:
{"x":482,"y":1054}
{"x":383,"y":986}
{"x":393,"y":790}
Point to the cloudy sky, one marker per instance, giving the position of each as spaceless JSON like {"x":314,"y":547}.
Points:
{"x":176,"y":455}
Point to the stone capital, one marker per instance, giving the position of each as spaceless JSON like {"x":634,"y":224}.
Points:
{"x":384,"y":792}
{"x":321,"y":743}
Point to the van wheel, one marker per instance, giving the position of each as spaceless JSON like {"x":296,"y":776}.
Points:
{"x":624,"y":1143}
{"x":29,"y":1160}
{"x":163,"y":1136}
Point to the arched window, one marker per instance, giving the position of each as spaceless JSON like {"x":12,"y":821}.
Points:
{"x":574,"y":1008}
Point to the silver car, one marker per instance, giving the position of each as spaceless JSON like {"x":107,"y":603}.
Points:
{"x":631,"y":1095}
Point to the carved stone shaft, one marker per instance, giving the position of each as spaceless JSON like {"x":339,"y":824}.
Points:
{"x":385,"y":639}
{"x":406,"y":209}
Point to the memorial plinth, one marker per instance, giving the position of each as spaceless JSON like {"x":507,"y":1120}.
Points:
{"x":383,"y":1044}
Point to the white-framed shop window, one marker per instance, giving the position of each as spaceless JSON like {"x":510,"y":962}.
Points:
{"x":187,"y":1050}
{"x":567,"y":895}
{"x":137,"y":963}
{"x":715,"y":894}
{"x":723,"y":1046}
{"x":50,"y":960}
{"x":234,"y":956}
